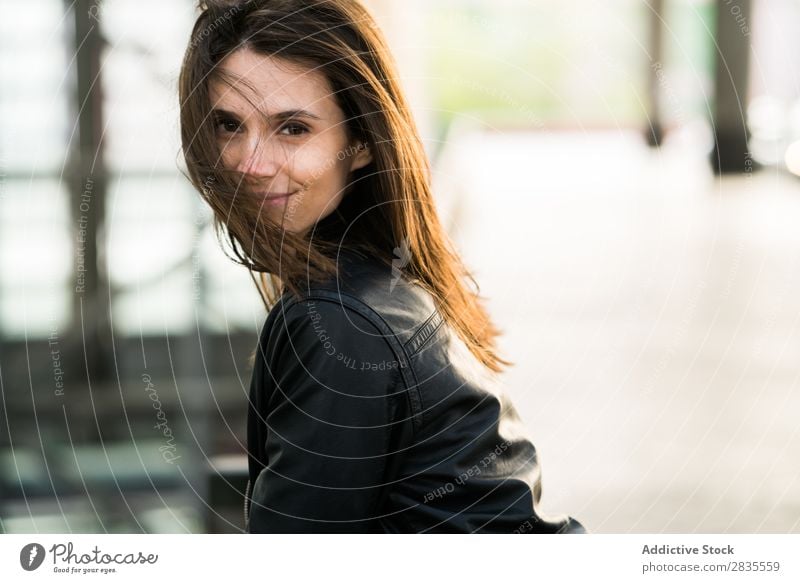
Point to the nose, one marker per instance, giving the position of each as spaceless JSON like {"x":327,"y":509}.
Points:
{"x":262,"y":157}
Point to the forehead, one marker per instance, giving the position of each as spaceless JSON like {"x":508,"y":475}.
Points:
{"x":272,"y":83}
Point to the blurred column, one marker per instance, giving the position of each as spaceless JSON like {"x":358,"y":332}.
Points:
{"x":88,"y":192}
{"x":655,"y":129}
{"x":732,"y":55}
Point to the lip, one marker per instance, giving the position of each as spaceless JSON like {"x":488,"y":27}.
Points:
{"x":276,"y":199}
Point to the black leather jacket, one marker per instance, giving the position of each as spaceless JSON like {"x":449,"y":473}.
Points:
{"x":368,"y":414}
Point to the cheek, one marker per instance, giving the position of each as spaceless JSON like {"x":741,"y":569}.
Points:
{"x":321,"y":163}
{"x":230,"y":152}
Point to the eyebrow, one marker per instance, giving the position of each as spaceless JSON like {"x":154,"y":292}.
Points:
{"x":282,"y":115}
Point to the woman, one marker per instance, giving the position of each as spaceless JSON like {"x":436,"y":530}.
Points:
{"x":375,"y":401}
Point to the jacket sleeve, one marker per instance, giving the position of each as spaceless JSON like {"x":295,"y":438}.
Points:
{"x":328,"y":422}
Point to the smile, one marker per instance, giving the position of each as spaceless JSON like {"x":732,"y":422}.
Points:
{"x":277,"y":199}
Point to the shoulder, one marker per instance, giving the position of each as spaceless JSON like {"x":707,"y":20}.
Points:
{"x":330,"y":365}
{"x":362,"y":332}
{"x":379,"y":291}
{"x":333,"y":343}
{"x":327,"y":319}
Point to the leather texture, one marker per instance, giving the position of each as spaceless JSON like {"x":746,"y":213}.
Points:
{"x":368,"y":414}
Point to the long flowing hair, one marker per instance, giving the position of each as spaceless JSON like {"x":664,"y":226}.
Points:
{"x":389,"y":212}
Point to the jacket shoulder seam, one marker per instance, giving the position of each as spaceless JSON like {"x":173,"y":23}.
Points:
{"x":424,"y":333}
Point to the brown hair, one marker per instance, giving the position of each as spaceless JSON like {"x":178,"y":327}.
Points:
{"x":390,"y":204}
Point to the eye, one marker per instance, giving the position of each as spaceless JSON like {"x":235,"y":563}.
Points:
{"x":294,"y":129}
{"x":227,"y":124}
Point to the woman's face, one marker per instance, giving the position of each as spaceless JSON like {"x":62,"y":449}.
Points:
{"x":300,"y":147}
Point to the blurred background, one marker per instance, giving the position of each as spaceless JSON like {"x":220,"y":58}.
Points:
{"x":623,"y":178}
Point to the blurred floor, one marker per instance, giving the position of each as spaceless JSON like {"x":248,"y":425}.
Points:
{"x":652,"y":310}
